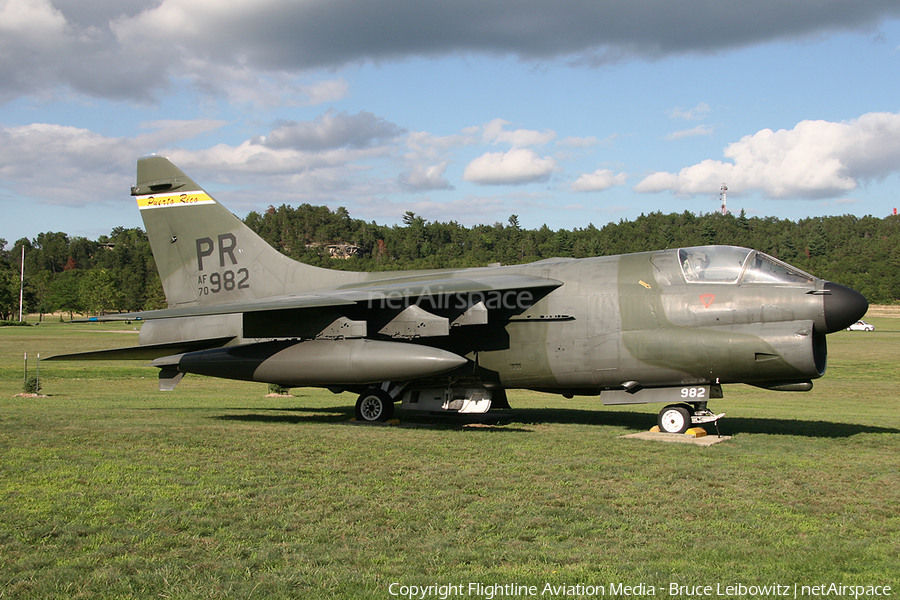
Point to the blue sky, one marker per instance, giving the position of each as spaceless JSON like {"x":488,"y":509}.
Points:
{"x":591,"y":112}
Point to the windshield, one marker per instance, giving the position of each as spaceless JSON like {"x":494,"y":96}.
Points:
{"x":724,"y":264}
{"x":762,"y":268}
{"x":712,"y":264}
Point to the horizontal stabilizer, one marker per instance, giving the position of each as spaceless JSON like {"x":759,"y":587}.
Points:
{"x":276,"y":303}
{"x":148,"y":352}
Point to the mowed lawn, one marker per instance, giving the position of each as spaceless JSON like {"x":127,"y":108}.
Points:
{"x":111,"y":489}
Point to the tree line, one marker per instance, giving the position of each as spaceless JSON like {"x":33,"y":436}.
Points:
{"x":116,"y":273}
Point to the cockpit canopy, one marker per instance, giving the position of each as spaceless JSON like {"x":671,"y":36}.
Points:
{"x":729,"y":264}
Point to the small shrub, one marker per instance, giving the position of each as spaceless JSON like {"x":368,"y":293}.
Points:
{"x":274,"y":388}
{"x":31,"y":385}
{"x":14,"y":324}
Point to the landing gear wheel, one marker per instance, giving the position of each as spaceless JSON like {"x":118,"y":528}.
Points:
{"x":374,"y":405}
{"x":675,"y":418}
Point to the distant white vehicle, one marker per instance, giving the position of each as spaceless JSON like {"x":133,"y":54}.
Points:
{"x":861,"y":326}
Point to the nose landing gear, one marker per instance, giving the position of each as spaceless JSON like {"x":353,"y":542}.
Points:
{"x":678,"y":418}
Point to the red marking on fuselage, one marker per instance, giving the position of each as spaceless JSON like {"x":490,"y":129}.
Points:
{"x":707,"y":299}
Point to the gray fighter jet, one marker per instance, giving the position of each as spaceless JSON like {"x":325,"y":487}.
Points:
{"x":670,"y":326}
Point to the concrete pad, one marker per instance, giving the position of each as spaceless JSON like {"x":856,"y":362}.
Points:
{"x":678,"y":438}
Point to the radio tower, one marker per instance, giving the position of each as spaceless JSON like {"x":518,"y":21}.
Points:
{"x":722,"y":194}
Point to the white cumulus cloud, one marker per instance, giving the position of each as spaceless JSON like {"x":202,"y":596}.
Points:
{"x":599,"y":180}
{"x":431,"y":177}
{"x":815,"y":159}
{"x":518,"y":166}
{"x":494,"y":132}
{"x":332,"y":130}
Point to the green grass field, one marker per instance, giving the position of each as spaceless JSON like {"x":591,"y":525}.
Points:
{"x":111,"y":489}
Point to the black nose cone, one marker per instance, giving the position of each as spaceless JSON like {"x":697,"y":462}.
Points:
{"x":843,"y":307}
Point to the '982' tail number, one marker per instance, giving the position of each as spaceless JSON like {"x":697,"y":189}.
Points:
{"x":226,"y":281}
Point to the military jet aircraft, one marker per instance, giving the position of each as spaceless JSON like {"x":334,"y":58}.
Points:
{"x":670,"y":326}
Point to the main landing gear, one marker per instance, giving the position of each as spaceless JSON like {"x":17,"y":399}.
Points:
{"x":377,"y":403}
{"x":374,"y":405}
{"x":678,"y":418}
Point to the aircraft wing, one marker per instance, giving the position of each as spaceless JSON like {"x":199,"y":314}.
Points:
{"x":370,"y":291}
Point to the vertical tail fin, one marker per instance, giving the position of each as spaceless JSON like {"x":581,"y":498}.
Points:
{"x":205,"y":255}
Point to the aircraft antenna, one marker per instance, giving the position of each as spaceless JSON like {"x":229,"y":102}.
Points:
{"x":722,"y":194}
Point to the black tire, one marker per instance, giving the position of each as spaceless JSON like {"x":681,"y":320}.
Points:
{"x":674,"y":418}
{"x":374,"y":405}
